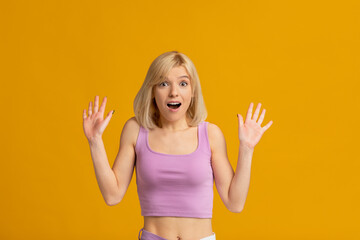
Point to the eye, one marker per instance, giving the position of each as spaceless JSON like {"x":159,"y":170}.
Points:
{"x":185,"y":82}
{"x":161,"y":84}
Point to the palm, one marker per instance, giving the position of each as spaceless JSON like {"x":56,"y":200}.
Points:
{"x":94,"y":125}
{"x":251,"y":131}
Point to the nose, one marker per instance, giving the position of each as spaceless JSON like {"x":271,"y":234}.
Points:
{"x":173,"y":91}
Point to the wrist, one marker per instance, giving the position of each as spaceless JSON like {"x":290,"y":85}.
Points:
{"x":95,"y":141}
{"x":245,"y":147}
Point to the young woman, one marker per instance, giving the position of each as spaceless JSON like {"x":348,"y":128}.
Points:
{"x":177,"y":155}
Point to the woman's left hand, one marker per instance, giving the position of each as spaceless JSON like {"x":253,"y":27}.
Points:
{"x":251,"y":131}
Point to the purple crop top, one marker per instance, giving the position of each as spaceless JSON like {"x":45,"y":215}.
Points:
{"x":175,"y":185}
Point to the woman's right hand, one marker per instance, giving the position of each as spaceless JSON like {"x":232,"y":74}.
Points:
{"x":95,"y":124}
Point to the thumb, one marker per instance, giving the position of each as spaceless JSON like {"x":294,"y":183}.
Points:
{"x":241,"y":121}
{"x":107,"y":119}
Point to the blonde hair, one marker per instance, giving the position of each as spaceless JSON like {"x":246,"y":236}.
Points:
{"x":146,"y":112}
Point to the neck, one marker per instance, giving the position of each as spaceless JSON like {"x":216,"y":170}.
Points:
{"x":174,"y":126}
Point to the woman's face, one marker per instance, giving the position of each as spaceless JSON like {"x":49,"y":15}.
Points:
{"x":175,"y":88}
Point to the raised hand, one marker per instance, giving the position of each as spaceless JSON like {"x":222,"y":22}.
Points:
{"x":95,"y":124}
{"x":251,"y":131}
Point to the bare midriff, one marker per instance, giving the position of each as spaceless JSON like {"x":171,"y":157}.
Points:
{"x":179,"y":228}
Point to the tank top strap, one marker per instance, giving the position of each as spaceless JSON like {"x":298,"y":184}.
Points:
{"x":140,"y":144}
{"x":203,"y":137}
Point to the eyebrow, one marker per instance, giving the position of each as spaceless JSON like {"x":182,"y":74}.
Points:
{"x":184,"y":76}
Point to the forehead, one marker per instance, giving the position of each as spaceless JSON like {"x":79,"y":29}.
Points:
{"x":178,"y":72}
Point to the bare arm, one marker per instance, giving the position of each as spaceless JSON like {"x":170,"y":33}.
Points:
{"x":104,"y":174}
{"x":239,"y":185}
{"x":224,"y":173}
{"x":125,"y":160}
{"x":250,"y":133}
{"x":113,"y":182}
{"x":233,"y":187}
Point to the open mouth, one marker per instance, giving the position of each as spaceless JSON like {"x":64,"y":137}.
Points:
{"x":173,"y":105}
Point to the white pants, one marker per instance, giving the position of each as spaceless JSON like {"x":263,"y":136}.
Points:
{"x":151,"y":236}
{"x":212,"y":237}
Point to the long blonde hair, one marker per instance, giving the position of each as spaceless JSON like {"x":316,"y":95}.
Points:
{"x":146,"y":112}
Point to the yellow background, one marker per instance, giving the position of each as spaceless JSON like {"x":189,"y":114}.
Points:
{"x":300,"y":59}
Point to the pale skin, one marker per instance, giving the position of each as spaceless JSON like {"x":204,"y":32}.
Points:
{"x":231,"y":186}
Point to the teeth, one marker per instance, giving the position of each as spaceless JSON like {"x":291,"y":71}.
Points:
{"x":173,"y":103}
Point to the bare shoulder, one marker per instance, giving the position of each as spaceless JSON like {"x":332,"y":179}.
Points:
{"x":216,"y":137}
{"x":131,"y":130}
{"x":214,"y":131}
{"x":132,"y":122}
